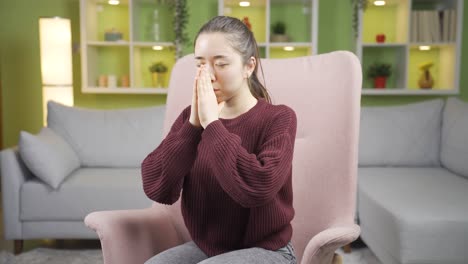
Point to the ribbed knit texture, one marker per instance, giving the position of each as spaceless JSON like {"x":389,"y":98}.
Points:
{"x":235,"y":178}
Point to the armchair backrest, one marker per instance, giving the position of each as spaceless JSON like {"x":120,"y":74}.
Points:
{"x":324,"y":91}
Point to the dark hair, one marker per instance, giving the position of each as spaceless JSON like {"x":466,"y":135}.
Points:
{"x":243,"y":41}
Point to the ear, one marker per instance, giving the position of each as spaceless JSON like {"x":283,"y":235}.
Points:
{"x":250,"y":66}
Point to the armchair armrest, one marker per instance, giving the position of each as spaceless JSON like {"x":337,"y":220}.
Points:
{"x":133,"y":236}
{"x":321,"y":247}
{"x":14,"y":173}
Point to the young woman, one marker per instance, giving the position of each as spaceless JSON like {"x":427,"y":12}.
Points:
{"x":230,"y":154}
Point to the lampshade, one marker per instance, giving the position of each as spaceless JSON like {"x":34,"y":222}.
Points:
{"x":55,"y":41}
{"x":56,"y":61}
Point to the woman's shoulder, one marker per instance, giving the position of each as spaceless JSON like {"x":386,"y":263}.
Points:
{"x":280,"y":118}
{"x":280,"y":111}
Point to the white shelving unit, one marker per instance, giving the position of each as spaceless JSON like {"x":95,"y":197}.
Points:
{"x":408,"y":25}
{"x":300,"y":17}
{"x":129,"y":57}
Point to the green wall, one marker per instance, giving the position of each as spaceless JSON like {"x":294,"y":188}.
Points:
{"x":20,"y":64}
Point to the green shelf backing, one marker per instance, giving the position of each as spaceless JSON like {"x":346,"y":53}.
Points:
{"x":112,"y":17}
{"x":296,"y":17}
{"x":391,"y":20}
{"x":392,"y":55}
{"x":144,"y":57}
{"x":113,"y":60}
{"x":144,"y":21}
{"x":256,"y":17}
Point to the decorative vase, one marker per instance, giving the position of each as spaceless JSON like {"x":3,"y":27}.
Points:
{"x":426,"y":81}
{"x":379,"y":82}
{"x":158,"y":79}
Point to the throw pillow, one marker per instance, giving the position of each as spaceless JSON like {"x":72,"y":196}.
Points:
{"x":48,"y":156}
{"x":454,"y":144}
{"x":108,"y":138}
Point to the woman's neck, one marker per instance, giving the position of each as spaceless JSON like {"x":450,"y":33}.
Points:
{"x":238,"y":105}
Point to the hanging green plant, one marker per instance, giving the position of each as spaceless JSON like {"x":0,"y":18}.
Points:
{"x":181,"y":17}
{"x":357,"y":5}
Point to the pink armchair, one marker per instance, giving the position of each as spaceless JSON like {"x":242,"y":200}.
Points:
{"x":324,"y":90}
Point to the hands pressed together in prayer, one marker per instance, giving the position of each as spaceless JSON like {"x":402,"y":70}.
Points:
{"x":205,"y":107}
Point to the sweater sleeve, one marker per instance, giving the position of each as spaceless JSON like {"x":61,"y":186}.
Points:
{"x":164,"y":169}
{"x":249,"y":179}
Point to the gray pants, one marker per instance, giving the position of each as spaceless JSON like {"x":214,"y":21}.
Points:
{"x":189,"y":253}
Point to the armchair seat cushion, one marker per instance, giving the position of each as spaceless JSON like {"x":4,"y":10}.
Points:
{"x":419,"y":215}
{"x":84,"y":191}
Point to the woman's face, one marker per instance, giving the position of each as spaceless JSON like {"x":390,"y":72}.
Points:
{"x":228,"y":73}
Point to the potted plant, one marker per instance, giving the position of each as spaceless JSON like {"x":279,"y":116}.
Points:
{"x":158,"y":71}
{"x":279,"y":32}
{"x":379,"y":72}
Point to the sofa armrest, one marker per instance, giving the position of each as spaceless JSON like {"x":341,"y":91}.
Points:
{"x":133,"y":236}
{"x":14,"y":173}
{"x":322,"y":246}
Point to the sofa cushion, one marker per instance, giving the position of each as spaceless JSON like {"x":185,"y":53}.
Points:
{"x":407,"y":135}
{"x":454,"y":143}
{"x":418,"y":215}
{"x":86,"y":190}
{"x":108,"y":138}
{"x":47,"y":156}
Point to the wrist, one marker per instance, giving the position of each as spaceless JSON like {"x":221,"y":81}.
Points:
{"x":208,"y":123}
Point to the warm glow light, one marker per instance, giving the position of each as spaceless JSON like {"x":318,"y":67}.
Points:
{"x":288,"y":48}
{"x":379,"y":3}
{"x":114,"y":2}
{"x":424,"y":47}
{"x":244,"y":3}
{"x":56,"y":61}
{"x":55,"y":42}
{"x":157,"y":47}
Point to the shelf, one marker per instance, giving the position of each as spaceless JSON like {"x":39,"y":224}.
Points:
{"x":143,"y":57}
{"x":151,"y":20}
{"x":393,"y":55}
{"x":298,"y":17}
{"x":125,"y":90}
{"x":108,"y":43}
{"x":151,"y":44}
{"x":279,"y":52}
{"x":401,"y":91}
{"x":408,"y":25}
{"x":290,"y":44}
{"x":102,"y":17}
{"x":374,"y":45}
{"x":443,"y":71}
{"x":256,"y":14}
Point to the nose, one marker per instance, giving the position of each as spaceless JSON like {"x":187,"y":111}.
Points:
{"x":211,"y":71}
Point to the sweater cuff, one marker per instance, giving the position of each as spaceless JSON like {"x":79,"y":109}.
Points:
{"x":190,"y":132}
{"x":214,"y":130}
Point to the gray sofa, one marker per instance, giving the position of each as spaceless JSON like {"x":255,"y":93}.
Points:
{"x":412,"y":193}
{"x":84,"y":161}
{"x":413,"y":182}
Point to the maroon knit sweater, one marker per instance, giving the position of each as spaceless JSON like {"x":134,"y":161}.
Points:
{"x":235,"y":178}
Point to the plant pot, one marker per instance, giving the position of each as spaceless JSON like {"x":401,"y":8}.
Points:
{"x":279,"y":38}
{"x":380,"y":38}
{"x":158,"y":79}
{"x":379,"y":82}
